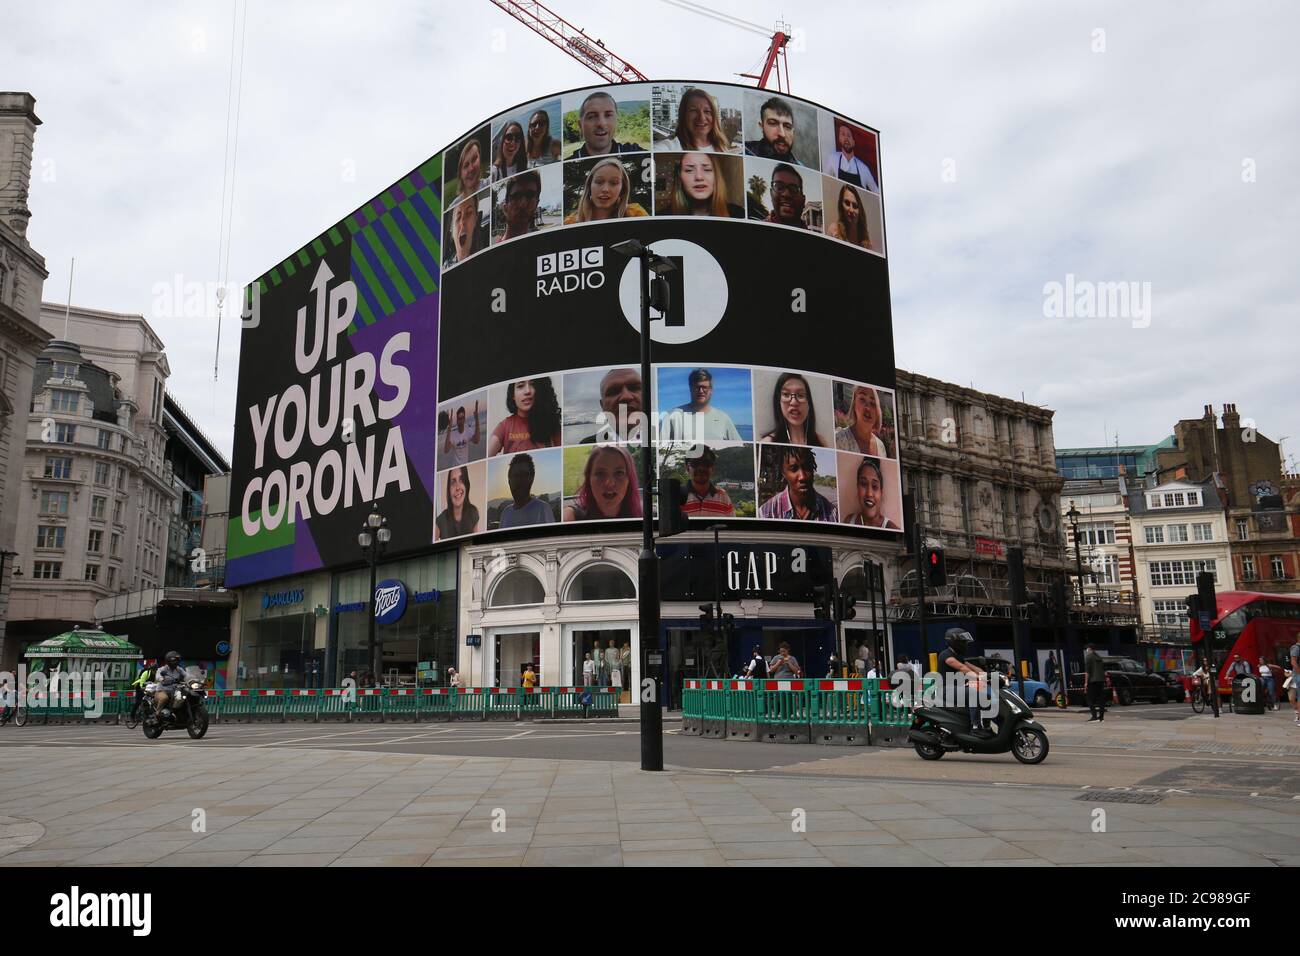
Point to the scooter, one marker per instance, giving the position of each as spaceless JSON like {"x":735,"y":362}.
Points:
{"x":938,"y":730}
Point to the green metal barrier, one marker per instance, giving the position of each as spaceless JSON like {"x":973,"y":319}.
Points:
{"x":301,"y":704}
{"x":468,"y":704}
{"x":784,"y":715}
{"x":743,"y":705}
{"x":369,"y":705}
{"x":401,"y":703}
{"x":436,"y":702}
{"x":270,"y":703}
{"x":713,"y":720}
{"x":567,"y":701}
{"x":335,"y":703}
{"x":535,"y":702}
{"x":239,"y":704}
{"x":213,"y":702}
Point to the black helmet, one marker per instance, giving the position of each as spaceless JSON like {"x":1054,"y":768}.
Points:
{"x":958,"y":639}
{"x":172,"y":658}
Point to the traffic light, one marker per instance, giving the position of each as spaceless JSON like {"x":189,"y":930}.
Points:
{"x":1193,"y":607}
{"x":728,"y":626}
{"x":823,"y":601}
{"x":936,"y":567}
{"x":847,"y":608}
{"x":672,"y":520}
{"x":1205,"y":596}
{"x":706,"y":618}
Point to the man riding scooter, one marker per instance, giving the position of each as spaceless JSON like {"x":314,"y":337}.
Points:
{"x":952,"y":660}
{"x":168,"y":676}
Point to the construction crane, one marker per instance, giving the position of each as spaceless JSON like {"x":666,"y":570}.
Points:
{"x":614,"y":69}
{"x":573,"y":41}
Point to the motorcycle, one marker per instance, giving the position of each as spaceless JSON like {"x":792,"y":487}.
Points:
{"x":937,"y":731}
{"x":187,"y":710}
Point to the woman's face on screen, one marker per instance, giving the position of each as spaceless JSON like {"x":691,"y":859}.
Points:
{"x":794,"y":402}
{"x":525,"y":396}
{"x":850,"y":208}
{"x":511,"y":141}
{"x":457,"y":487}
{"x":609,"y":482}
{"x":699,"y":120}
{"x":471,"y":166}
{"x":606,"y":187}
{"x":867,"y":408}
{"x":698,"y":177}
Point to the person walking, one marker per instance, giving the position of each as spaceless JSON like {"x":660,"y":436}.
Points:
{"x":1095,"y":669}
{"x":1294,"y":678}
{"x":757,"y":669}
{"x":1270,"y":684}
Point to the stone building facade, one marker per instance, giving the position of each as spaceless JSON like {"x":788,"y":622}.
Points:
{"x":22,"y":277}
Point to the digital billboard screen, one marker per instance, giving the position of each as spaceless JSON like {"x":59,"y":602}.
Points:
{"x":463,"y":351}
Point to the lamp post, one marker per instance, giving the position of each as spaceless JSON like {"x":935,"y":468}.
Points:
{"x":373,"y":538}
{"x":1073,"y":516}
{"x":652,"y":726}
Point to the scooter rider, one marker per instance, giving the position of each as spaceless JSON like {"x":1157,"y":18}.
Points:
{"x":952,"y":661}
{"x":168,"y":676}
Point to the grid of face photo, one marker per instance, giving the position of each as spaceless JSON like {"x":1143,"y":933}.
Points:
{"x":662,"y":149}
{"x":767,"y":443}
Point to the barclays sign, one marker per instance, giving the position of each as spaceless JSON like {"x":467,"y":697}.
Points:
{"x":282,"y":598}
{"x":390,"y":601}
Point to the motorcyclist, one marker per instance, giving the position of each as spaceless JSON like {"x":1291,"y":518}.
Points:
{"x":144,"y":677}
{"x":168,"y":676}
{"x":952,"y":660}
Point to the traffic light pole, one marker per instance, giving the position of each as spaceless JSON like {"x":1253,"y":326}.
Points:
{"x":652,"y":724}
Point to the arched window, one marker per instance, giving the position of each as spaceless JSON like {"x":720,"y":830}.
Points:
{"x":601,"y":582}
{"x":855,"y":585}
{"x":517,"y":587}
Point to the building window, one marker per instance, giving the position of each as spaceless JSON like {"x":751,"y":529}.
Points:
{"x":1243,"y":529}
{"x":1193,"y":497}
{"x":58,"y":467}
{"x":117,"y":512}
{"x":1170,"y":613}
{"x":1202,"y":532}
{"x":95,"y":542}
{"x":114,"y":545}
{"x":1207,"y":565}
{"x":101,"y":473}
{"x":92,"y":573}
{"x":54,"y":502}
{"x":112,"y":577}
{"x":105,"y":439}
{"x":61,"y":401}
{"x":1097,"y":533}
{"x":98,"y":505}
{"x":64,"y":369}
{"x":963,"y":491}
{"x":121,"y":478}
{"x":47,"y":570}
{"x":1248,"y":567}
{"x":1171,"y":573}
{"x":601,"y":582}
{"x":1004,"y":501}
{"x":1155,"y":534}
{"x":932,"y":500}
{"x":1278,"y":568}
{"x":49,"y":536}
{"x":65,"y":434}
{"x":517,"y":587}
{"x":1155,"y":501}
{"x":1177,"y":533}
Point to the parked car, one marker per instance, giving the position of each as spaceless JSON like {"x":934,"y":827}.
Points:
{"x":1129,"y":681}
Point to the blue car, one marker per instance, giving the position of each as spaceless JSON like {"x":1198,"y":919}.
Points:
{"x":1034,"y":692}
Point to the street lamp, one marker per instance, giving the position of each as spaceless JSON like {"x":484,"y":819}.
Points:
{"x":652,"y":727}
{"x":373,"y":538}
{"x":1073,"y":516}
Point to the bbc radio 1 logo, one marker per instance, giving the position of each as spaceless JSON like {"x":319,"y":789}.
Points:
{"x":571,"y":270}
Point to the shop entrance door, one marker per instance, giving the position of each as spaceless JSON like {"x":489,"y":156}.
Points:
{"x":512,"y":653}
{"x":692,"y":654}
{"x":610,"y":669}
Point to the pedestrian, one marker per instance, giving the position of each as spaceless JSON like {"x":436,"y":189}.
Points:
{"x":833,"y":670}
{"x":588,"y":670}
{"x":1052,"y":673}
{"x":530,"y":676}
{"x":757,"y":669}
{"x":1293,"y":678}
{"x":585,"y":701}
{"x":1095,"y":668}
{"x":453,"y":677}
{"x":1270,"y":683}
{"x":784,"y":665}
{"x":6,"y":696}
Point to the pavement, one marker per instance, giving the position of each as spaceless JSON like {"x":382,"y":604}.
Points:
{"x":1148,"y":787}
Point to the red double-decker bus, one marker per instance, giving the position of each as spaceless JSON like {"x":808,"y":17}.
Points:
{"x":1250,"y":625}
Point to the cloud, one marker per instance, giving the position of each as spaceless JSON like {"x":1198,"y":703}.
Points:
{"x":1124,"y":165}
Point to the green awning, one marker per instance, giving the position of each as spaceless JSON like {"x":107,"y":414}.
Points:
{"x":81,"y":643}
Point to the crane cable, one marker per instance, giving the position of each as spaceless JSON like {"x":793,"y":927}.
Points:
{"x":230,"y":165}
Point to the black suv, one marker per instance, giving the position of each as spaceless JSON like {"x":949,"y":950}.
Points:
{"x":1131,"y":681}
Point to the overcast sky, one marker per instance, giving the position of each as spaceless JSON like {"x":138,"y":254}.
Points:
{"x":1021,"y":143}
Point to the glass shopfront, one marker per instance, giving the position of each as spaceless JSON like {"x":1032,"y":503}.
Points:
{"x":419,"y":644}
{"x":279,"y":636}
